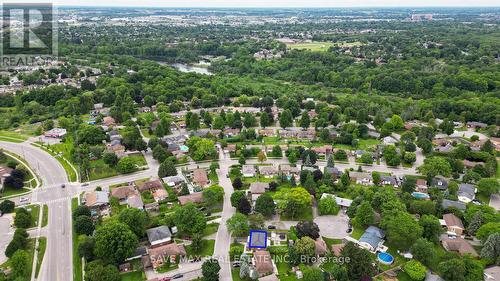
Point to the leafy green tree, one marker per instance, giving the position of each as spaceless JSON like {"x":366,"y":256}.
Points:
{"x":423,"y":251}
{"x":305,"y":121}
{"x":19,"y":242}
{"x":313,"y":274}
{"x":160,"y":153}
{"x":307,"y":228}
{"x":114,"y":242}
{"x":22,"y":218}
{"x":135,"y":219}
{"x":81,"y":210}
{"x":491,"y":248}
{"x":86,"y":247}
{"x":244,"y":206}
{"x":365,"y":215}
{"x":476,"y":222}
{"x":276,"y":152}
{"x":434,"y":166}
{"x":431,"y":228}
{"x":415,"y":270}
{"x":487,"y":229}
{"x":366,"y":158}
{"x":126,"y":165}
{"x":392,"y":158}
{"x":7,"y":206}
{"x":97,"y":271}
{"x":110,"y":159}
{"x":213,"y":194}
{"x":167,"y":169}
{"x":237,"y":183}
{"x":21,"y":265}
{"x":286,"y":119}
{"x":360,"y":264}
{"x":265,"y":205}
{"x":488,"y":186}
{"x":401,"y":229}
{"x":189,"y":220}
{"x":84,"y":225}
{"x":292,"y":202}
{"x":236,"y":196}
{"x":210,"y":270}
{"x":238,"y":225}
{"x":305,"y":247}
{"x":265,"y":120}
{"x":328,"y":206}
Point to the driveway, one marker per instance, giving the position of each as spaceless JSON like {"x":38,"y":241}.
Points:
{"x":333,"y":226}
{"x":495,"y":201}
{"x":5,"y":236}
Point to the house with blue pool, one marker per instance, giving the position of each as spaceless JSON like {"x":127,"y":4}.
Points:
{"x":373,"y":239}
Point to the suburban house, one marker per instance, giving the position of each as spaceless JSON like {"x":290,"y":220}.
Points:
{"x":258,"y":188}
{"x":470,"y":164}
{"x":96,"y":199}
{"x":150,"y":186}
{"x":173,"y":180}
{"x":287,"y":170}
{"x":322,"y":150}
{"x":267,"y":132}
{"x":372,"y":239}
{"x":135,"y":201}
{"x":169,"y":252}
{"x":268,"y":171}
{"x":159,"y":235}
{"x":160,"y":194}
{"x":389,"y":140}
{"x":389,"y":180}
{"x":123,"y":192}
{"x":458,"y":245}
{"x":466,"y":192}
{"x":320,"y":247}
{"x":196,"y":197}
{"x":248,"y":171}
{"x":421,"y":186}
{"x":440,"y":183}
{"x":262,"y":262}
{"x":230,"y":148}
{"x":108,"y":121}
{"x":456,"y":204}
{"x":476,"y":125}
{"x":361,"y":178}
{"x":453,"y":224}
{"x":342,"y":202}
{"x":55,"y":133}
{"x":333,"y":171}
{"x":200,"y":177}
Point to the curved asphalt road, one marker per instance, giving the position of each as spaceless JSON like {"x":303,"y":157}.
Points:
{"x":57,"y":264}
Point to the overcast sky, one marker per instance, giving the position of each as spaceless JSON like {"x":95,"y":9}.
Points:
{"x":272,"y":3}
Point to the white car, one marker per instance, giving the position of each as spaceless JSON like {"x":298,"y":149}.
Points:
{"x":24,"y":200}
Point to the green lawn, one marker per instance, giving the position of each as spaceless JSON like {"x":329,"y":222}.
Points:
{"x":210,"y":229}
{"x":35,"y":213}
{"x":45,"y":215}
{"x":167,"y":267}
{"x":12,"y":137}
{"x":357,"y":232}
{"x":42,"y":245}
{"x":303,"y":216}
{"x":77,"y":261}
{"x":7,"y":192}
{"x":133,"y":276}
{"x":330,"y":241}
{"x":312,"y":46}
{"x":206,"y":250}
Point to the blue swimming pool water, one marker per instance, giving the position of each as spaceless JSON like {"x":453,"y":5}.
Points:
{"x":420,"y":195}
{"x":184,"y":148}
{"x":385,"y":258}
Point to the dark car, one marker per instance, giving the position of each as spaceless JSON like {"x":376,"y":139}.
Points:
{"x":177,"y":276}
{"x":63,"y":185}
{"x":271,"y":227}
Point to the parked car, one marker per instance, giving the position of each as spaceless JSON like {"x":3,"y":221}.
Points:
{"x":271,"y":227}
{"x":63,"y":185}
{"x":177,"y":276}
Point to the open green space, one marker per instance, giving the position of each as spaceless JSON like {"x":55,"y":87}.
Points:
{"x":133,"y":276}
{"x":45,"y":215}
{"x":42,"y":245}
{"x":206,"y":250}
{"x":77,"y":261}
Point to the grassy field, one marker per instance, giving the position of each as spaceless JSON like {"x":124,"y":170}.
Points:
{"x":42,"y":245}
{"x":206,"y":250}
{"x":12,"y":137}
{"x":77,"y":261}
{"x":210,"y":229}
{"x":7,"y":192}
{"x":312,"y":46}
{"x":133,"y":276}
{"x":303,"y":216}
{"x":35,"y":213}
{"x":45,"y":215}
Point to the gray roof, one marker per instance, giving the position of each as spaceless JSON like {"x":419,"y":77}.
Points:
{"x":439,"y":183}
{"x":158,"y":233}
{"x":457,"y":204}
{"x":135,"y":201}
{"x":466,"y":190}
{"x":389,"y":179}
{"x":373,"y":235}
{"x":333,"y":170}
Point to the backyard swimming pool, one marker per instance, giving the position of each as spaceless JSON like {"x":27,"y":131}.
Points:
{"x":420,"y":195}
{"x":385,"y":258}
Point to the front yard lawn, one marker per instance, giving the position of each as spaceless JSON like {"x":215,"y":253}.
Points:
{"x":206,"y":250}
{"x":133,"y":276}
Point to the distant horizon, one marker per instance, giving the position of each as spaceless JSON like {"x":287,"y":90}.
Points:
{"x":270,"y":4}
